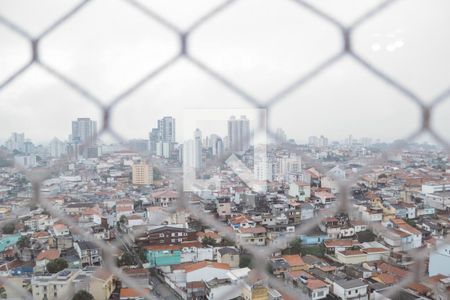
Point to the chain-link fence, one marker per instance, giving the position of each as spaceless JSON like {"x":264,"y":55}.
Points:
{"x":260,"y":254}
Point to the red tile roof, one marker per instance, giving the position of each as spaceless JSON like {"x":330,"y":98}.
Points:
{"x":131,"y":292}
{"x":49,"y":254}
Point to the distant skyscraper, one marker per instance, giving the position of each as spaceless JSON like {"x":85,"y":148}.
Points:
{"x":280,"y":136}
{"x":84,"y":137}
{"x":239,"y":134}
{"x":166,"y":127}
{"x":198,"y":149}
{"x":162,"y":138}
{"x":16,"y":142}
{"x":154,"y":137}
{"x":193,"y":154}
{"x":84,"y":130}
{"x":57,"y":148}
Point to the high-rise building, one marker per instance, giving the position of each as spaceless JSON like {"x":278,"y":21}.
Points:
{"x":154,"y":137}
{"x":84,"y":137}
{"x":162,"y":137}
{"x":280,"y":136}
{"x":142,"y":173}
{"x":166,"y":127}
{"x":57,"y":148}
{"x":198,"y":148}
{"x":239,"y":134}
{"x":16,"y":142}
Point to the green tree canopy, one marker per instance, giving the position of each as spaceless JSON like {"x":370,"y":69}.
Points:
{"x":57,"y":265}
{"x":208,"y":241}
{"x":24,"y":242}
{"x":9,"y":228}
{"x":82,"y":295}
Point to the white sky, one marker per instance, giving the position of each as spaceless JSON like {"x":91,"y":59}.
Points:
{"x":260,"y":45}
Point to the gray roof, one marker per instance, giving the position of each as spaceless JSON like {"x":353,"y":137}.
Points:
{"x":228,"y":250}
{"x":349,"y":284}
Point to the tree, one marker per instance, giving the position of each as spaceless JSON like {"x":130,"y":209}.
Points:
{"x":82,"y":295}
{"x":57,"y":265}
{"x":126,"y":260}
{"x":295,"y":247}
{"x":208,"y":241}
{"x":24,"y":242}
{"x":123,"y":219}
{"x":9,"y":228}
{"x":245,"y":261}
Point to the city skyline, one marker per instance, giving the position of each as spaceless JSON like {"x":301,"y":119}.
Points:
{"x":34,"y":100}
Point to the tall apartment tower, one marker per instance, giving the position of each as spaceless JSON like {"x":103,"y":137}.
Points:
{"x":16,"y":142}
{"x":198,"y":149}
{"x":162,"y":138}
{"x":84,"y":137}
{"x":166,"y":128}
{"x":142,"y":173}
{"x":239,"y":134}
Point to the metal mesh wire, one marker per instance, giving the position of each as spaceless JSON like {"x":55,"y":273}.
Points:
{"x":260,"y":255}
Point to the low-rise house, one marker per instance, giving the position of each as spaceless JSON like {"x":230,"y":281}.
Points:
{"x":306,"y":211}
{"x":224,"y":207}
{"x":295,"y":262}
{"x":88,"y":252}
{"x":228,"y":255}
{"x":60,"y":229}
{"x":39,"y":222}
{"x":332,"y":246}
{"x":167,"y":255}
{"x":188,"y":277}
{"x":255,"y":286}
{"x":102,"y":284}
{"x":350,"y":289}
{"x":124,"y":208}
{"x":133,"y":294}
{"x":44,"y":257}
{"x":372,"y":214}
{"x":361,"y":255}
{"x":255,"y":236}
{"x":300,"y":190}
{"x":311,"y":287}
{"x":164,"y":198}
{"x":166,"y":235}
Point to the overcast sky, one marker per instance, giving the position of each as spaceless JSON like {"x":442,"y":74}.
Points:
{"x":260,"y":45}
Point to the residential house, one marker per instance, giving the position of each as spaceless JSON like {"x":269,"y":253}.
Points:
{"x":133,"y":294}
{"x":166,"y":235}
{"x":164,"y":198}
{"x":44,"y":257}
{"x":350,"y":289}
{"x":300,"y":190}
{"x":228,"y":255}
{"x":88,"y":252}
{"x":255,"y":287}
{"x":102,"y":284}
{"x":255,"y":236}
{"x":309,"y":286}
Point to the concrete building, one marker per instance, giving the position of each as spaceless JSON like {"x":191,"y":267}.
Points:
{"x":57,"y":148}
{"x":84,"y":138}
{"x":61,"y":285}
{"x":142,"y":174}
{"x":350,"y":289}
{"x":440,"y":260}
{"x":239,"y":134}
